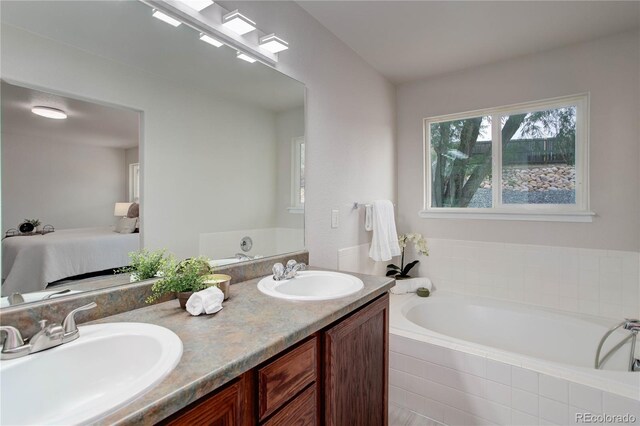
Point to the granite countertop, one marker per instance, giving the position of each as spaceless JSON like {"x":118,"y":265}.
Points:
{"x":250,"y":329}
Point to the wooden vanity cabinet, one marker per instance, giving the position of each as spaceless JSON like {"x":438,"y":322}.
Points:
{"x":336,"y":377}
{"x":230,"y":406}
{"x":356,"y":374}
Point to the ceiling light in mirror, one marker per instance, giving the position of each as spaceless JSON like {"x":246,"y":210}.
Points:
{"x":210,"y":40}
{"x":238,"y":23}
{"x":49,"y":112}
{"x":245,"y":57}
{"x":166,"y":18}
{"x":196,"y":4}
{"x":273,"y":44}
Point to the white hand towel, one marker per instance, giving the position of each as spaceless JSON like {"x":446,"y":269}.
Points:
{"x":410,"y":285}
{"x":208,"y":301}
{"x":368,"y":217}
{"x":384,"y":244}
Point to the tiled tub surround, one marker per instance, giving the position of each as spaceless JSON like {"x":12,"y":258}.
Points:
{"x":123,"y":298}
{"x":250,"y":329}
{"x":463,"y":383}
{"x":595,"y":282}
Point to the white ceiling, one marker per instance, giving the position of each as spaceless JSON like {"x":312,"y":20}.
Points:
{"x":411,"y":40}
{"x":87,"y":123}
{"x":125,"y":31}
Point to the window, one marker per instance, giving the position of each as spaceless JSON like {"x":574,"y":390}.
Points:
{"x":297,"y":175}
{"x":134,"y":182}
{"x":522,"y":162}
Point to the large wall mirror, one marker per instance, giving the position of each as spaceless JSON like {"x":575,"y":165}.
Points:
{"x":148,"y":138}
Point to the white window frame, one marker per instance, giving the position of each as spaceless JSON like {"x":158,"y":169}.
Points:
{"x":296,"y":206}
{"x":134,"y":182}
{"x":578,"y":212}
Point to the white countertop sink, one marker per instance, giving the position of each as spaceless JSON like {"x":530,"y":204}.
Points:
{"x":312,"y":285}
{"x":79,"y":382}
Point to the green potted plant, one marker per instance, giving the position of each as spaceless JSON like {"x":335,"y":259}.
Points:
{"x":37,"y":225}
{"x":420,"y":244}
{"x":182,"y":278}
{"x":145,"y":264}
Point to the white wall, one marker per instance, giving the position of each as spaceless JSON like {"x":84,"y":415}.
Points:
{"x":193,"y":181}
{"x":609,"y":69}
{"x":349,"y":130}
{"x":62,"y":184}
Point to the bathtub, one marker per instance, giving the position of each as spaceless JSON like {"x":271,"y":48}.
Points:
{"x":472,"y":360}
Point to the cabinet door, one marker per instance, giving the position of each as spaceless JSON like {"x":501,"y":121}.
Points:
{"x":356,"y":356}
{"x":231,"y":406}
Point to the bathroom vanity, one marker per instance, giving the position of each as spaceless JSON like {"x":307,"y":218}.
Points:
{"x":263,"y":360}
{"x":337,"y":376}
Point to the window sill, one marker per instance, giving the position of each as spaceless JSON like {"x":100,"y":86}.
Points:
{"x":507,"y":215}
{"x":295,"y":210}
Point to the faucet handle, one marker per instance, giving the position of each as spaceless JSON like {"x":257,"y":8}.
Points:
{"x":291,"y":263}
{"x":69,"y":323}
{"x":14,"y":338}
{"x":278,"y":271}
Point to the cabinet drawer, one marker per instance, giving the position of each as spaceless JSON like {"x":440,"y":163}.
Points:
{"x":302,"y":411}
{"x":283,"y":378}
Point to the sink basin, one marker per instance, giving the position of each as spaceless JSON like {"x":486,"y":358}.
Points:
{"x":84,"y":380}
{"x":312,"y":285}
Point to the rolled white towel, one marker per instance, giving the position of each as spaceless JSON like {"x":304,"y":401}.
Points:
{"x":410,"y":285}
{"x":208,"y":301}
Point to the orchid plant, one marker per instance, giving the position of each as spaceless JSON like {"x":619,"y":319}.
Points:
{"x":420,"y":245}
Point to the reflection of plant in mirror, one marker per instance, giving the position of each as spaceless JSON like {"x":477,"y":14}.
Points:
{"x":34,"y":222}
{"x":187,"y":275}
{"x":144,"y":265}
{"x":420,"y":245}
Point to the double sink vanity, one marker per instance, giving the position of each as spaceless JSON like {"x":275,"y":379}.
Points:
{"x":266,"y":358}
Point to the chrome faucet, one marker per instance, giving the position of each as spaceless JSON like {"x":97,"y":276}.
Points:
{"x":633,"y":325}
{"x":281,"y":272}
{"x":49,"y":336}
{"x":242,"y":256}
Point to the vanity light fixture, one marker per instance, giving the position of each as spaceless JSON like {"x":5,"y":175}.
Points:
{"x":245,"y":57}
{"x":166,"y":18}
{"x":238,"y":23}
{"x":48,"y":112}
{"x":273,"y":44}
{"x":208,"y":39}
{"x":197,"y":4}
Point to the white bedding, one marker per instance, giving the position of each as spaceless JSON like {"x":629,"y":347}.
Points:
{"x":31,"y":263}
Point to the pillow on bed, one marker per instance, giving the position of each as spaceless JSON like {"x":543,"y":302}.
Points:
{"x":126,"y":225}
{"x":134,"y":210}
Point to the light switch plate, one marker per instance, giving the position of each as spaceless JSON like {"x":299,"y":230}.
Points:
{"x":335,"y":218}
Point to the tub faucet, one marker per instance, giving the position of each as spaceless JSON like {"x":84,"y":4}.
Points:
{"x":281,"y":272}
{"x":633,"y":325}
{"x":49,"y":336}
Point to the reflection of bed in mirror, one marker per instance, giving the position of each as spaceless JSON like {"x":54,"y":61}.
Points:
{"x":81,"y":176}
{"x":31,"y":263}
